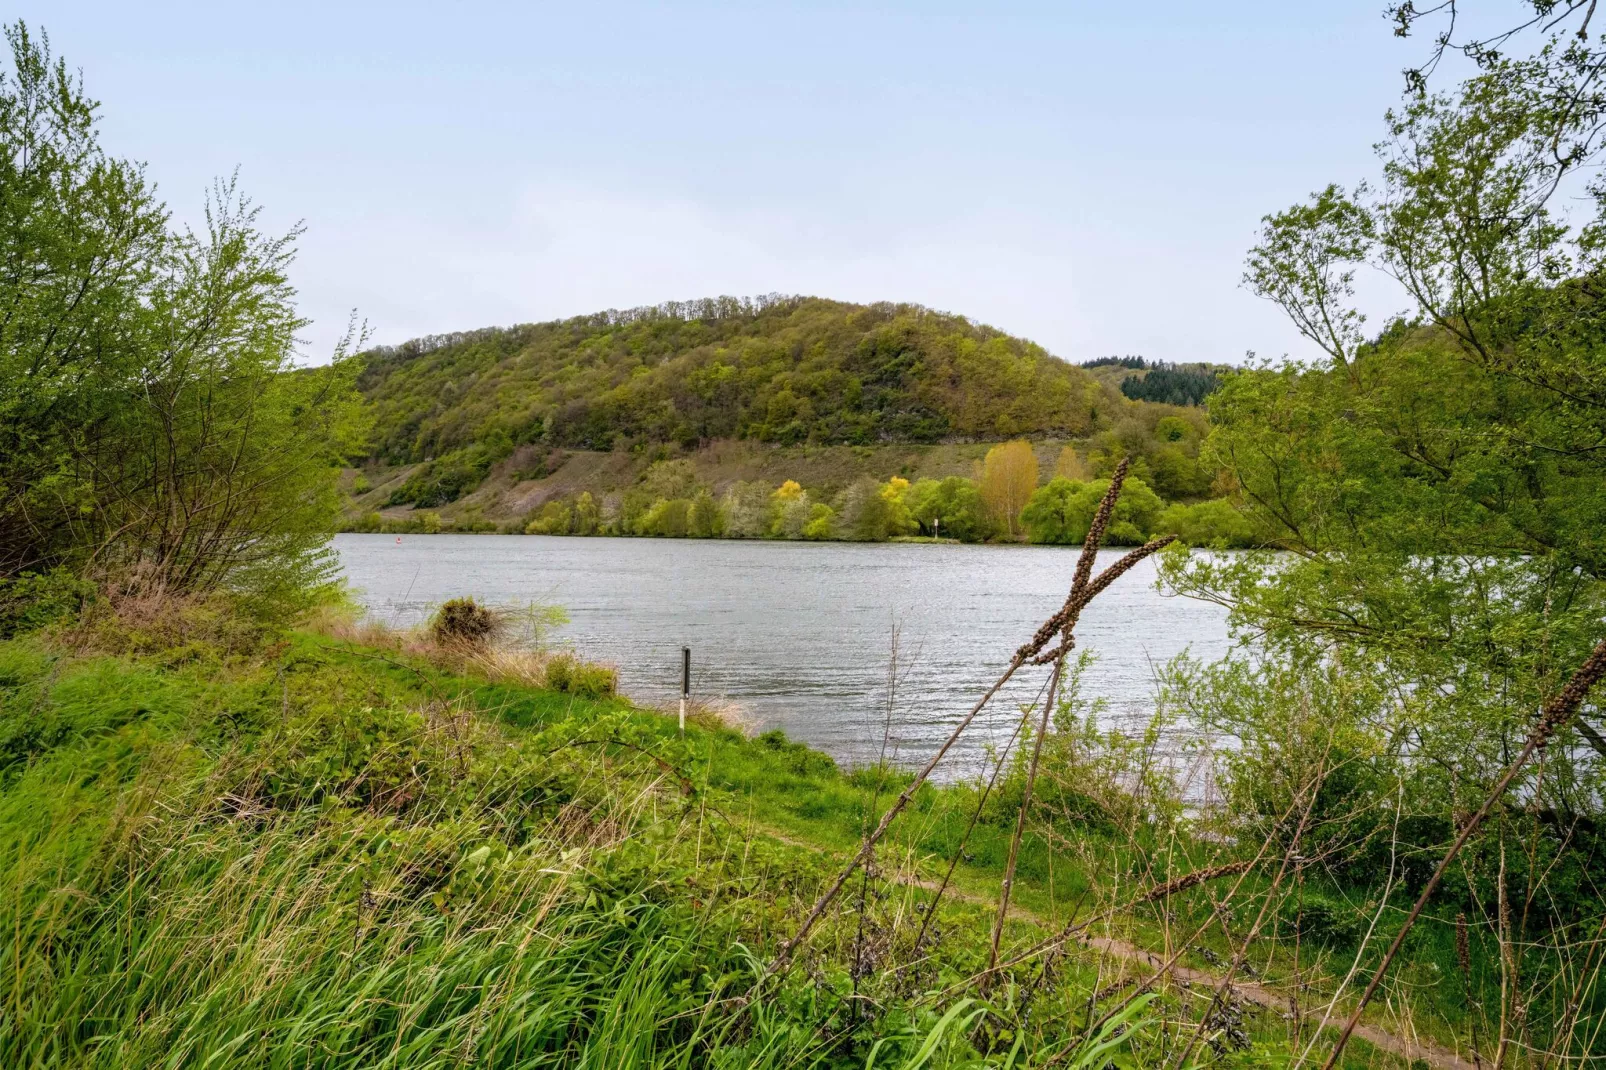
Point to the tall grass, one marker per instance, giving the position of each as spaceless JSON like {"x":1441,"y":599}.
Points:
{"x":350,"y":849}
{"x":319,"y":859}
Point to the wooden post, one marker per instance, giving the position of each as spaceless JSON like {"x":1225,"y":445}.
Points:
{"x":685,"y":684}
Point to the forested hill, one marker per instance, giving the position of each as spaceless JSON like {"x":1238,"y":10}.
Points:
{"x":776,"y":369}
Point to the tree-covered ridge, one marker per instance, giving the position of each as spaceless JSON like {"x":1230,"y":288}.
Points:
{"x":1163,"y":381}
{"x":776,"y":369}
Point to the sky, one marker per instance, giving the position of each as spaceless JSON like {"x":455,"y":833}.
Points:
{"x":1086,"y":175}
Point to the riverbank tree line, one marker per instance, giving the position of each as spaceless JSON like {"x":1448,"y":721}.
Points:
{"x":1005,"y":501}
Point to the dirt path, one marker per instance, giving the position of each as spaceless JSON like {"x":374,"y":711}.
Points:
{"x":1410,"y":1048}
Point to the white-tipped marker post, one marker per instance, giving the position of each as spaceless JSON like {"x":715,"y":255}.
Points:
{"x":685,"y":684}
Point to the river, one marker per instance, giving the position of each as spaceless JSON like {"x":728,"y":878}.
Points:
{"x":798,"y":636}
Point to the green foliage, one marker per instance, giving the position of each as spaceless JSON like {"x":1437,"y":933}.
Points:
{"x":89,"y":235}
{"x":572,"y":676}
{"x":671,"y":518}
{"x":950,"y":507}
{"x":1215,"y":523}
{"x":749,"y":510}
{"x":31,"y":600}
{"x":582,"y":516}
{"x":780,"y":369}
{"x":553,"y":518}
{"x":1116,"y":362}
{"x":1163,"y":443}
{"x":443,"y":480}
{"x":872,"y":512}
{"x":705,"y":519}
{"x":1443,"y":492}
{"x":294,"y":808}
{"x":1061,"y":512}
{"x":1173,"y":384}
{"x":821,"y":522}
{"x":151,"y":415}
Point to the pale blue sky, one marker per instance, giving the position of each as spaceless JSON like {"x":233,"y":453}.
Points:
{"x":1085,"y":174}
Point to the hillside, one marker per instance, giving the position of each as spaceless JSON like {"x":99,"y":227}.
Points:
{"x":785,"y":370}
{"x":491,"y":424}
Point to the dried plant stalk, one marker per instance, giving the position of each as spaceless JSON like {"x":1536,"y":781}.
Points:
{"x":1058,"y":624}
{"x":1066,"y":618}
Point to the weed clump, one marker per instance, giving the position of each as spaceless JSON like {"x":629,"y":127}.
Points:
{"x":465,"y":622}
{"x":570,"y":675}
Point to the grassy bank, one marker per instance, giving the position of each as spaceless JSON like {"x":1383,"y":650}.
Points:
{"x":326,"y":854}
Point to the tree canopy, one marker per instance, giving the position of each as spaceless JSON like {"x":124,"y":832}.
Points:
{"x":153,"y":419}
{"x":778,"y":369}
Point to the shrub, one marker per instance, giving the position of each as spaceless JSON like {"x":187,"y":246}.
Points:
{"x":137,"y":612}
{"x":1062,"y":511}
{"x":31,"y":601}
{"x":667,"y":517}
{"x":448,"y":478}
{"x":792,"y":509}
{"x":821,"y":523}
{"x":560,"y":671}
{"x":749,"y":513}
{"x":591,"y":680}
{"x":874,"y":512}
{"x":705,"y":519}
{"x":1211,"y":523}
{"x":950,"y":507}
{"x":464,"y":622}
{"x":1327,"y":922}
{"x":587,"y":515}
{"x":567,"y":673}
{"x":554,"y":518}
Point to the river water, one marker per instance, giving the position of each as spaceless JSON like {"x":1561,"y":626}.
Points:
{"x":799,"y":636}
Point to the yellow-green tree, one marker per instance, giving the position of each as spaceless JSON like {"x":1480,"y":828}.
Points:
{"x":1008,"y":480}
{"x":1072,"y":466}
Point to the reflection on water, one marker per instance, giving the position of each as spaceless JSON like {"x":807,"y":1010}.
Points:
{"x":799,"y":634}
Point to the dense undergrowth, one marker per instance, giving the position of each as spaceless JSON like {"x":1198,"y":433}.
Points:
{"x":304,"y":851}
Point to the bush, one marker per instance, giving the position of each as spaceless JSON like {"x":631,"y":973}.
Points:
{"x":31,"y":601}
{"x":464,"y":622}
{"x":570,"y":675}
{"x":446,"y":479}
{"x":560,"y":671}
{"x":874,"y":512}
{"x":705,"y":519}
{"x":554,"y":518}
{"x":950,"y":507}
{"x":821,"y":523}
{"x":1062,"y":511}
{"x":591,"y":680}
{"x":1212,"y":523}
{"x":668,"y":517}
{"x":1327,"y":922}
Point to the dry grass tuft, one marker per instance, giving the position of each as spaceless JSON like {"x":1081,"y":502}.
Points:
{"x":136,"y":611}
{"x":494,"y":656}
{"x":717,"y":714}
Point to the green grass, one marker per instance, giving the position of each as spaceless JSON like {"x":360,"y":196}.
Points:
{"x":326,"y":856}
